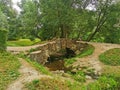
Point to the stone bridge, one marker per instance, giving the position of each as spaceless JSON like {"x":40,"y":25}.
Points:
{"x":43,"y":51}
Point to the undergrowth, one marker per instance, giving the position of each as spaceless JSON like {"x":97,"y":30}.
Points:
{"x":9,"y":66}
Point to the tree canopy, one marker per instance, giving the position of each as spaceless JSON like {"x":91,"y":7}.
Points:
{"x":96,"y":20}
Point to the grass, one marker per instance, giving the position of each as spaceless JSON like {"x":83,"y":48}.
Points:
{"x":69,"y":61}
{"x":88,"y":50}
{"x":9,"y":66}
{"x":103,"y":83}
{"x":112,"y":71}
{"x":79,"y":76}
{"x":111,"y":57}
{"x":53,"y":84}
{"x":23,"y":42}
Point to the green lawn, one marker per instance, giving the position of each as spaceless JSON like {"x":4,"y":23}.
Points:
{"x":111,"y":57}
{"x":23,"y":42}
{"x":9,"y":65}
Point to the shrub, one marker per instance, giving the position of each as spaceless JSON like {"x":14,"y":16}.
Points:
{"x":3,"y":38}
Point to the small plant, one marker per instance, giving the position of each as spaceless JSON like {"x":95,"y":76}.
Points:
{"x":111,"y":57}
{"x":79,"y":76}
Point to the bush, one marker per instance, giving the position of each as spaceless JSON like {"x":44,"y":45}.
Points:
{"x":3,"y":39}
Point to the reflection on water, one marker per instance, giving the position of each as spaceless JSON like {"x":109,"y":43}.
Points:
{"x":56,"y":65}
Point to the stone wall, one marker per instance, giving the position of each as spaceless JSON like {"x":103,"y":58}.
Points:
{"x":45,"y":50}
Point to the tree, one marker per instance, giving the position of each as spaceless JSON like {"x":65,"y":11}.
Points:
{"x":57,"y":17}
{"x":11,"y":14}
{"x":102,"y":12}
{"x":30,"y":18}
{"x":112,"y":29}
{"x":3,"y":31}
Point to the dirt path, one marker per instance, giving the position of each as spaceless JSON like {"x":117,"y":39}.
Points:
{"x":28,"y":73}
{"x":93,"y":60}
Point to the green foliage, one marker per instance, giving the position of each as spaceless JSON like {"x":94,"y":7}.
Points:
{"x":112,"y":30}
{"x":3,"y":31}
{"x":3,"y":39}
{"x":9,"y":66}
{"x":88,"y":50}
{"x":75,"y":85}
{"x":111,"y":57}
{"x":23,"y":42}
{"x":79,"y":76}
{"x":103,"y":83}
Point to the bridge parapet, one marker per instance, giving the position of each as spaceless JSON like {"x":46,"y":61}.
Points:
{"x":52,"y":47}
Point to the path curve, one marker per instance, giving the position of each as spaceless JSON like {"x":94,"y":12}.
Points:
{"x":93,"y":60}
{"x":28,"y":73}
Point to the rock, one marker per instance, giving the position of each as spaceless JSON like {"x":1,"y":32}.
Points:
{"x":74,"y":70}
{"x":66,"y":75}
{"x":77,"y":52}
{"x":61,"y":71}
{"x":99,"y":73}
{"x":88,"y":77}
{"x":79,"y":69}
